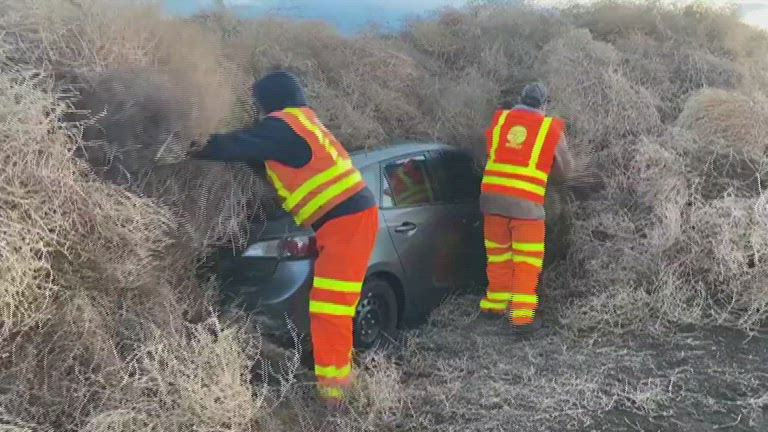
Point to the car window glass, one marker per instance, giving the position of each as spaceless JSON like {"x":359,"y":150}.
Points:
{"x":456,"y":177}
{"x":406,"y":183}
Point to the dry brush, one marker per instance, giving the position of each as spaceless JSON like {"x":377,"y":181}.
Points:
{"x":104,"y":222}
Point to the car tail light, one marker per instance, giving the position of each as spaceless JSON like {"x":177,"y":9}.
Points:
{"x":289,"y":247}
{"x":299,"y":247}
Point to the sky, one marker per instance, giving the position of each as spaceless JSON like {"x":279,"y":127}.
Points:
{"x":347,"y":15}
{"x":754,"y":12}
{"x":350,"y":15}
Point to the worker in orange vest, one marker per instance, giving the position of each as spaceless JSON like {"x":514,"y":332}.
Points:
{"x":318,"y":185}
{"x":523,"y":146}
{"x":409,"y":186}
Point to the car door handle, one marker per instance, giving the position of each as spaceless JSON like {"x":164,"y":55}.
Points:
{"x":406,"y":227}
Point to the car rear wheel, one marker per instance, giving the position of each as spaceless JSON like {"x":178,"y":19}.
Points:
{"x":375,"y":322}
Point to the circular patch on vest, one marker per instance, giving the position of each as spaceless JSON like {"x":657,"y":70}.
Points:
{"x":516,"y":137}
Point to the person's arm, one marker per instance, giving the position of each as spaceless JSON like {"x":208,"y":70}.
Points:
{"x":563,"y":164}
{"x":270,"y":139}
{"x":479,"y":155}
{"x":236,"y":146}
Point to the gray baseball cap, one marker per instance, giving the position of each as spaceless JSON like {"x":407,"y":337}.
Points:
{"x":534,"y":95}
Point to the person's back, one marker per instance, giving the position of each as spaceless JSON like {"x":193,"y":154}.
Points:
{"x":524,"y":147}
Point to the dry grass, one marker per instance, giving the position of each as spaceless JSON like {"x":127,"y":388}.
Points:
{"x":681,"y":244}
{"x":147,"y":98}
{"x":463,"y":373}
{"x":183,"y":381}
{"x":366,"y":89}
{"x":666,"y":110}
{"x":97,"y":278}
{"x":53,"y":208}
{"x":591,"y":91}
{"x":728,"y":122}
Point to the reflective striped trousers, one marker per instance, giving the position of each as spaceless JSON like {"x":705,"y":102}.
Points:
{"x":515,"y":254}
{"x":345,"y":245}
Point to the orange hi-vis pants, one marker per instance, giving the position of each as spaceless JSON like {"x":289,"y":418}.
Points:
{"x":515,"y":253}
{"x":345,"y":245}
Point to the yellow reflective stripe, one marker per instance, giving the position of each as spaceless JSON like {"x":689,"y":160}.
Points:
{"x":530,"y":170}
{"x":515,"y":183}
{"x":337,"y":285}
{"x":404,"y":178}
{"x":497,"y":135}
{"x":508,"y":256}
{"x":316,"y":181}
{"x":307,"y":123}
{"x":416,"y":189}
{"x":332,"y":371}
{"x":528,"y":247}
{"x":491,"y":245}
{"x":323,"y":197}
{"x":498,"y":296}
{"x":497,"y":258}
{"x":518,"y":170}
{"x":415,"y":194}
{"x":428,"y":185}
{"x":540,"y":142}
{"x":291,"y":200}
{"x":485,"y":304}
{"x":525,"y":298}
{"x":332,"y":392}
{"x":528,"y":260}
{"x":330,"y":308}
{"x":522,"y":313}
{"x":281,"y":190}
{"x":412,"y":187}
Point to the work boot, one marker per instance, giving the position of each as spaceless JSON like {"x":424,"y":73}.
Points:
{"x":335,"y":405}
{"x":491,"y":316}
{"x":331,"y":404}
{"x":333,"y":392}
{"x":528,"y":330}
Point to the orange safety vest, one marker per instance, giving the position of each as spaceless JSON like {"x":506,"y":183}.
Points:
{"x":521,"y":149}
{"x":409,"y":186}
{"x":309,"y":192}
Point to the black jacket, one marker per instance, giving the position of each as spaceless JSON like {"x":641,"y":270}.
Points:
{"x":273,"y":139}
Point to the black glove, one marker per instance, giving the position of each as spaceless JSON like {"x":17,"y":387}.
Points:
{"x":195,"y":151}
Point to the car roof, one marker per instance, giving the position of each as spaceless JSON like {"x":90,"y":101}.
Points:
{"x":363,"y":158}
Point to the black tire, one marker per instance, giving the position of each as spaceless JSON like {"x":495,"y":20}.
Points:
{"x":375,"y":321}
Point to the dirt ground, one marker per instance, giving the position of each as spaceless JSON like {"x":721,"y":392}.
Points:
{"x":463,"y":372}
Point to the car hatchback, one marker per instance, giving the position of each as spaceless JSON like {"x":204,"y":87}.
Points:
{"x":429,"y":243}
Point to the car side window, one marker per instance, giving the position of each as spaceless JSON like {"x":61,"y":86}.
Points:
{"x":456,"y":177}
{"x":406,"y":183}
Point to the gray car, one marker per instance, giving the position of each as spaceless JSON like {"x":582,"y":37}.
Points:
{"x":424,"y":249}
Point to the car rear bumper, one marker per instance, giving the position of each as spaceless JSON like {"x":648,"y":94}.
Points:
{"x":278,"y":299}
